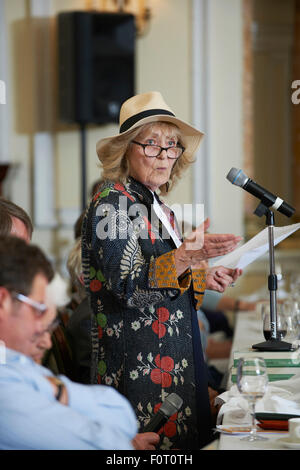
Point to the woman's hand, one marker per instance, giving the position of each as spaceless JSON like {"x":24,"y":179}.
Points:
{"x":200,"y":246}
{"x":213,"y":408}
{"x":219,"y":278}
{"x":145,"y":441}
{"x":64,"y":396}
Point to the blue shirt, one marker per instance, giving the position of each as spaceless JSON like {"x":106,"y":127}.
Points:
{"x":211,"y":299}
{"x":97,"y":416}
{"x":205,"y":332}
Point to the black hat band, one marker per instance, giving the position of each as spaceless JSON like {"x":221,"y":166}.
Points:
{"x":137,"y":117}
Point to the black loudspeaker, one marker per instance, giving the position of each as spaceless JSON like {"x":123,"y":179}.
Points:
{"x":96,"y":62}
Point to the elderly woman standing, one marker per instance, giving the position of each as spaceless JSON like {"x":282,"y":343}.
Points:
{"x":142,"y":280}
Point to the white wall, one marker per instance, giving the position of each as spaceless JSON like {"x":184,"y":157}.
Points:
{"x":225,"y":118}
{"x":4,"y":116}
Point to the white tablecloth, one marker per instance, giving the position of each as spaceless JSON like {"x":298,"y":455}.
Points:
{"x":248,"y":331}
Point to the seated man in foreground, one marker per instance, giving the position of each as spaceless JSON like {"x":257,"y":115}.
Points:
{"x":38,"y":410}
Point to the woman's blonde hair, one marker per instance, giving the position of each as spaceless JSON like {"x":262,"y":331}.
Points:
{"x":114,"y":163}
{"x":75,"y":268}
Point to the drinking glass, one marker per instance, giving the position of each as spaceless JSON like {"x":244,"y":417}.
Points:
{"x":281,"y":324}
{"x":295,"y":285}
{"x":252,"y":382}
{"x":265,"y":308}
{"x":291,"y":313}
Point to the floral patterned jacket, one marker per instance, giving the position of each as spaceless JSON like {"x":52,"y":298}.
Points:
{"x":143,"y":338}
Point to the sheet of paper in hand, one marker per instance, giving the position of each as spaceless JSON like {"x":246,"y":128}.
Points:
{"x":254,"y":248}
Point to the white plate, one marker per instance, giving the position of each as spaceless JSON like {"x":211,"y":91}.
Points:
{"x":235,"y":429}
{"x":287,"y":443}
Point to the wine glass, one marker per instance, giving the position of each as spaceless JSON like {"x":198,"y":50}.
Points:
{"x":281,"y":324}
{"x":290,"y":311}
{"x":295,"y":285}
{"x":252,"y":382}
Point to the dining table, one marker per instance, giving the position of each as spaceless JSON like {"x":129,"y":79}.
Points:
{"x":248,"y":331}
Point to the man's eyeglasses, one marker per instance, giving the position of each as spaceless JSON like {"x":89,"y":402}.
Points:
{"x":39,"y":308}
{"x":153,"y":151}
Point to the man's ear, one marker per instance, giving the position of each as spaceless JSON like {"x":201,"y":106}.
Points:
{"x":5,"y":302}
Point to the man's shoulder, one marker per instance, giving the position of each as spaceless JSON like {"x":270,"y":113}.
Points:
{"x":14,"y":378}
{"x":17,"y":367}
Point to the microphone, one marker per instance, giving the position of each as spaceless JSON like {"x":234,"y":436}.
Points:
{"x":171,"y":405}
{"x":237,"y":177}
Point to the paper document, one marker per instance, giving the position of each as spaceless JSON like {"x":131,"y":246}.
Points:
{"x":254,"y":248}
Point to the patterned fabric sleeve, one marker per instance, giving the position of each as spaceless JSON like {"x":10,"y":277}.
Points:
{"x":199,"y":282}
{"x":119,"y":261}
{"x":162,"y":273}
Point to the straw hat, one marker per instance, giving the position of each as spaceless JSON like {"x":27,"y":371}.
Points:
{"x":151,"y":107}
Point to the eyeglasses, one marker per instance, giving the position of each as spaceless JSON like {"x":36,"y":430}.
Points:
{"x":37,"y":306}
{"x":153,"y":151}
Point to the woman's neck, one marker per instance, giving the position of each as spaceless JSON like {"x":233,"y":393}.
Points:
{"x":153,"y":189}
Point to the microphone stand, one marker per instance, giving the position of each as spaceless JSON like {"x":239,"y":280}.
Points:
{"x":274,"y":343}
